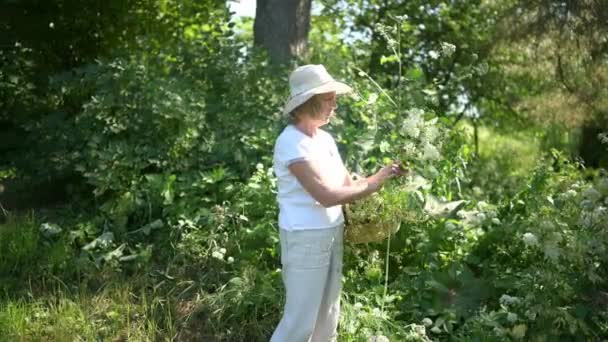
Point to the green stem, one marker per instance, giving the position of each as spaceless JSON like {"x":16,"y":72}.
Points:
{"x":378,"y":86}
{"x":386,"y":259}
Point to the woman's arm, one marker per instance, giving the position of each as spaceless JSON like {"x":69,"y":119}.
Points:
{"x":348,"y":178}
{"x":309,"y":175}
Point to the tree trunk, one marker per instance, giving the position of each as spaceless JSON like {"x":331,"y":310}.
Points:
{"x":281,"y":27}
{"x":590,"y":149}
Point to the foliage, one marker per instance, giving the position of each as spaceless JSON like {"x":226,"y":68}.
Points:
{"x":29,"y":249}
{"x":171,"y":234}
{"x":495,"y":174}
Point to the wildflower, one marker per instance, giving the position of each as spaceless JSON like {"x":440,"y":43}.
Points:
{"x":592,"y":194}
{"x":416,"y":113}
{"x":50,"y":229}
{"x":411,"y":128}
{"x":482,"y":205}
{"x":433,"y":54}
{"x":427,"y":322}
{"x":373,"y":97}
{"x":531,"y":315}
{"x":530,"y":240}
{"x":409,"y":149}
{"x":430,"y":152}
{"x":507,"y":300}
{"x":430,"y":133}
{"x":479,"y":218}
{"x":378,"y":338}
{"x":230,"y":260}
{"x":217,"y":255}
{"x":390,"y":41}
{"x":512,"y":317}
{"x":482,"y":69}
{"x":447,"y":49}
{"x":223,"y":250}
{"x":413,"y":122}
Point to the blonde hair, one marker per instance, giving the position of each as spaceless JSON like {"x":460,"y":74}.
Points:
{"x":311,"y":107}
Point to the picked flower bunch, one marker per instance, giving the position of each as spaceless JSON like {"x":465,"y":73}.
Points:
{"x":380,"y":215}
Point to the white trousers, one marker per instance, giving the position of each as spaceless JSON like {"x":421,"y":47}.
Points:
{"x":312,"y":275}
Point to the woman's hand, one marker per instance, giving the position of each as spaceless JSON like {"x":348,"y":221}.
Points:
{"x":389,"y":171}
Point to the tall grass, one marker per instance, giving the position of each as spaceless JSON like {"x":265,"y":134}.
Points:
{"x":504,"y":162}
{"x":116,"y":313}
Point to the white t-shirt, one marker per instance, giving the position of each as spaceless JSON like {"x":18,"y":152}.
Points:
{"x":297,"y":208}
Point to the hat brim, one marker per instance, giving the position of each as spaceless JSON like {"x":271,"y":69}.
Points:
{"x":295,"y":101}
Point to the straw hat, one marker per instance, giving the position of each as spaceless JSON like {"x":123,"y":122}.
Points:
{"x":309,"y":80}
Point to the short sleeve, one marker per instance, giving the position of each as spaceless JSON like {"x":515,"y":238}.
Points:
{"x":290,"y":149}
{"x":333,"y":147}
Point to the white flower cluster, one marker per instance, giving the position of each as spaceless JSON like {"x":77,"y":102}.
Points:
{"x":378,"y":338}
{"x":220,"y":253}
{"x":423,"y":136}
{"x":411,"y":125}
{"x":50,"y":229}
{"x":592,"y":195}
{"x":593,"y":218}
{"x":507,"y":300}
{"x":387,"y":32}
{"x":530,"y":240}
{"x":482,"y":213}
{"x":603,"y":137}
{"x":447,"y":49}
{"x":594,"y":205}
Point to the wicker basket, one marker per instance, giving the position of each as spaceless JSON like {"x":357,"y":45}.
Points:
{"x":362,"y":230}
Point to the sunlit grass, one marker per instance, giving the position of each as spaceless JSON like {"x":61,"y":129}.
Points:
{"x":505,"y":160}
{"x":117,"y":312}
{"x":520,"y":150}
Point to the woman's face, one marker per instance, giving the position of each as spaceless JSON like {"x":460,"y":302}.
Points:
{"x":328,"y":105}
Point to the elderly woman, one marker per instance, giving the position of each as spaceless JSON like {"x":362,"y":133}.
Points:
{"x":312,"y":186}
